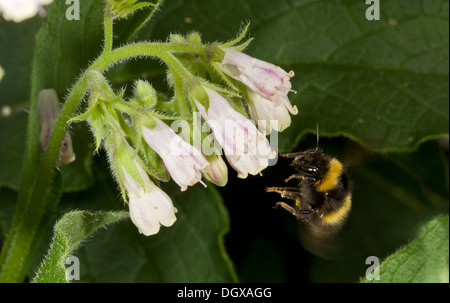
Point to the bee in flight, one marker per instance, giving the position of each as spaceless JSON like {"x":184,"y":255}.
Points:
{"x":323,"y":196}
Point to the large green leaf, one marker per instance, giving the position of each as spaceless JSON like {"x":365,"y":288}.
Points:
{"x":425,"y":259}
{"x":15,"y":57}
{"x":69,"y":233}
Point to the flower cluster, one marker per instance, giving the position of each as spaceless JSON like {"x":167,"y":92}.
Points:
{"x":239,"y":100}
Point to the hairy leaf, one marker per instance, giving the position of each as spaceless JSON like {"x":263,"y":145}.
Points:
{"x":69,"y":233}
{"x":424,"y":260}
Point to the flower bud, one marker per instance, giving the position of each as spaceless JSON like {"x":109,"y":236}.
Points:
{"x":217,"y":171}
{"x":145,"y":93}
{"x":48,"y":109}
{"x":176,"y":38}
{"x":194,"y":38}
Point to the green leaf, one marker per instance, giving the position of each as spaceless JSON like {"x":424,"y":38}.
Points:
{"x":425,"y":259}
{"x":69,"y":233}
{"x":16,"y":59}
{"x":125,"y":29}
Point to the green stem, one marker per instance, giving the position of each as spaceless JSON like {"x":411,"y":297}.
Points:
{"x":38,"y":194}
{"x":108,"y":32}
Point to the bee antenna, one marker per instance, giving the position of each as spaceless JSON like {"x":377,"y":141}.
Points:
{"x":317,"y":134}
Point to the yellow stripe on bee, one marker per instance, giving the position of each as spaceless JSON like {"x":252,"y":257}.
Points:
{"x":331,"y":178}
{"x":298,"y":203}
{"x":340,"y":214}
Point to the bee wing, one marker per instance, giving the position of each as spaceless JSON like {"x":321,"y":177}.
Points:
{"x":322,"y":241}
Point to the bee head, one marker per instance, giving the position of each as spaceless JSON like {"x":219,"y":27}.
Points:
{"x":310,"y":157}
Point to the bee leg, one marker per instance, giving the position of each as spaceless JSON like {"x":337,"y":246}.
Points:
{"x":300,"y":214}
{"x":290,"y":155}
{"x":292,"y":193}
{"x":295,"y":176}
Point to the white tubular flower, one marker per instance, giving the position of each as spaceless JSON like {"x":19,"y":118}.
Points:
{"x":183,"y":161}
{"x":150,"y":207}
{"x":267,"y":114}
{"x":245,"y":147}
{"x":19,"y":10}
{"x":267,"y":80}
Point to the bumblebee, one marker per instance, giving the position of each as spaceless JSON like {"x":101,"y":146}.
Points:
{"x":323,"y":197}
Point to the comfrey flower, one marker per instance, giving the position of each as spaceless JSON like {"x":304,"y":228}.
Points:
{"x":268,"y":114}
{"x":269,"y":81}
{"x":245,"y":147}
{"x":183,"y":161}
{"x":150,"y":207}
{"x":19,"y":10}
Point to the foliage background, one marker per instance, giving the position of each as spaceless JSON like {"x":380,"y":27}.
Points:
{"x":378,"y":89}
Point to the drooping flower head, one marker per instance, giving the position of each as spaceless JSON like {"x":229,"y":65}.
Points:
{"x":150,"y":207}
{"x":266,"y":79}
{"x":247,"y":149}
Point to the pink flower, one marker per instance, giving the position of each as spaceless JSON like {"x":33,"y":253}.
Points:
{"x":267,"y":80}
{"x":245,"y":147}
{"x":183,"y":161}
{"x":150,"y":207}
{"x":267,"y":114}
